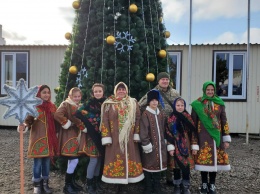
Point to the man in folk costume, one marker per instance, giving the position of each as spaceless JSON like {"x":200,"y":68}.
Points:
{"x":152,"y":131}
{"x":209,"y":116}
{"x":168,"y":96}
{"x":120,"y":116}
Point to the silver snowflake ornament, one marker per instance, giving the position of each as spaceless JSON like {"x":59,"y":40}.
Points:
{"x":21,"y":101}
{"x":124,"y":41}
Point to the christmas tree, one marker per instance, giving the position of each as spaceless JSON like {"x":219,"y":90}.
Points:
{"x":112,"y":41}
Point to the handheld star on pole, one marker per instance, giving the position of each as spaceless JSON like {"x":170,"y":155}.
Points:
{"x":21,"y":101}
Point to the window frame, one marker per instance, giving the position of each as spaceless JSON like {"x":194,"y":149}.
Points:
{"x":3,"y":53}
{"x":179,"y":68}
{"x":232,"y":53}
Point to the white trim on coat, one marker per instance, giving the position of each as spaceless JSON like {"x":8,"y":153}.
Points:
{"x":106,"y":140}
{"x":160,"y":170}
{"x":226,"y":138}
{"x":67,"y":125}
{"x":137,"y":137}
{"x":195,"y":147}
{"x":170,"y":147}
{"x":148,"y":148}
{"x":123,"y":181}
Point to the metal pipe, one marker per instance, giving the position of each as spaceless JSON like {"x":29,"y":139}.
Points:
{"x":247,"y":72}
{"x":189,"y":59}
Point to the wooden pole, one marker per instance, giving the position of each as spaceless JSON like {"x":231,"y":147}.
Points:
{"x":21,"y":129}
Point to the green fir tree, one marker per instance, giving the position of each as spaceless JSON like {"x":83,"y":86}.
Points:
{"x":139,"y":37}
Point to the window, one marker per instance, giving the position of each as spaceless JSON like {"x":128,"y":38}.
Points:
{"x":14,"y":65}
{"x":230,"y":74}
{"x":174,"y":69}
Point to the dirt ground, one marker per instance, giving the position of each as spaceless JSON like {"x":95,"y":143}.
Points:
{"x":243,"y":178}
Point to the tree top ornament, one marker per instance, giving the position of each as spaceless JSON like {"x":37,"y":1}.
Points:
{"x":20,"y":101}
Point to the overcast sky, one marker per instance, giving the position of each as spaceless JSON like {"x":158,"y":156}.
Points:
{"x":214,"y":21}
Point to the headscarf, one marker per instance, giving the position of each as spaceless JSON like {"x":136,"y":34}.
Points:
{"x":126,"y":109}
{"x":183,"y":117}
{"x":49,"y":108}
{"x":177,"y":122}
{"x":203,"y":106}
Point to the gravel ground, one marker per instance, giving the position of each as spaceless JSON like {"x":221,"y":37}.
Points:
{"x":244,"y":177}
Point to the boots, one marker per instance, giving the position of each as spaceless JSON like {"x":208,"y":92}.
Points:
{"x":45,"y":186}
{"x":177,"y":186}
{"x":90,"y":186}
{"x":74,"y":184}
{"x":148,"y":182}
{"x":177,"y":189}
{"x":212,"y":189}
{"x":37,"y":188}
{"x":67,"y":189}
{"x":186,"y":187}
{"x":204,"y":188}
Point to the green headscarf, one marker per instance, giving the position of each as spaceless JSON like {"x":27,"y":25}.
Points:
{"x":206,"y":115}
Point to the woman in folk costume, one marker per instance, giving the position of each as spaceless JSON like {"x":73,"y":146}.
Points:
{"x":182,"y":144}
{"x":90,"y":144}
{"x":152,"y":134}
{"x":209,"y":116}
{"x":43,"y":143}
{"x":68,"y":136}
{"x":120,"y":133}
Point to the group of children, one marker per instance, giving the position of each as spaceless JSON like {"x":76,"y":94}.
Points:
{"x":78,"y":133}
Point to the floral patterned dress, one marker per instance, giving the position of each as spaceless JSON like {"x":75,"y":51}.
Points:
{"x":211,"y":157}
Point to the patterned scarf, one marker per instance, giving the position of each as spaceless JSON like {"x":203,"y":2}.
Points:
{"x":89,"y":114}
{"x":177,"y":122}
{"x":126,"y":109}
{"x":204,"y":108}
{"x":49,"y":109}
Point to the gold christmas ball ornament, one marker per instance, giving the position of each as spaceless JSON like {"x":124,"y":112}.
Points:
{"x":76,"y":5}
{"x":56,"y":90}
{"x":161,"y":19}
{"x":68,"y":36}
{"x":111,"y":40}
{"x":167,"y":34}
{"x":162,"y":53}
{"x":150,"y":77}
{"x":133,"y":8}
{"x":73,"y":69}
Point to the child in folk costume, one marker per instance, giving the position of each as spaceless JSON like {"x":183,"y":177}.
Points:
{"x":152,"y":134}
{"x":43,"y":143}
{"x":90,"y":144}
{"x":68,"y":136}
{"x":182,"y":144}
{"x":209,"y":116}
